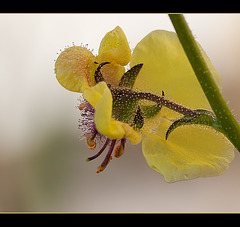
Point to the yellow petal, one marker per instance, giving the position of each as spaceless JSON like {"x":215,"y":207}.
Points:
{"x":112,"y":73}
{"x":133,"y":136}
{"x":100,"y":98}
{"x":114,"y":47}
{"x":103,"y":115}
{"x":73,"y":68}
{"x":166,"y":68}
{"x":94,"y":94}
{"x":190,"y":152}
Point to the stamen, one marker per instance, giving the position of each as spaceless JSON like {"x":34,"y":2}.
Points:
{"x":107,"y":158}
{"x":82,"y":106}
{"x":119,"y":150}
{"x":100,"y":152}
{"x":90,"y":141}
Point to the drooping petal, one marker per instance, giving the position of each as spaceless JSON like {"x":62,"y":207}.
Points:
{"x":100,"y":98}
{"x":73,"y":68}
{"x":190,"y":152}
{"x":112,"y":73}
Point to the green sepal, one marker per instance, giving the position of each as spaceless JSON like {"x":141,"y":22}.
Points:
{"x":128,"y":111}
{"x":138,"y":121}
{"x":204,"y":117}
{"x":129,"y":77}
{"x":129,"y":108}
{"x":150,"y":111}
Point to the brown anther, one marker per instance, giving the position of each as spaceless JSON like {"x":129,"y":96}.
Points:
{"x":90,"y":142}
{"x":101,"y":168}
{"x":118,"y":151}
{"x":82,"y":106}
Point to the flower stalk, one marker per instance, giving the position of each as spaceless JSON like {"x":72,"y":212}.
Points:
{"x":155,"y":98}
{"x":204,"y":75}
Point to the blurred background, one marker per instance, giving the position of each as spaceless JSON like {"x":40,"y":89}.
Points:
{"x":42,"y":159}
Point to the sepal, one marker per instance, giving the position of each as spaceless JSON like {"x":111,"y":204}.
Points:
{"x":203,"y":117}
{"x":128,"y":79}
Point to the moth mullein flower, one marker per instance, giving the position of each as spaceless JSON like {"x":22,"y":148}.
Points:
{"x":157,"y":101}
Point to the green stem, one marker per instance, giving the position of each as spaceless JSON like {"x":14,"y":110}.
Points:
{"x":205,"y":78}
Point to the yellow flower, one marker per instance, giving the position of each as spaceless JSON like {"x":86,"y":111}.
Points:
{"x":144,"y":103}
{"x":190,"y":151}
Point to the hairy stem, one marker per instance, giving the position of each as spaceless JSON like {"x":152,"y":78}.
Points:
{"x":205,"y":78}
{"x":128,"y":93}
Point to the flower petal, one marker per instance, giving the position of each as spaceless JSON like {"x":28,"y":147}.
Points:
{"x":73,"y":68}
{"x":190,"y":152}
{"x":133,"y":136}
{"x":114,"y":47}
{"x":166,"y":68}
{"x":100,"y":98}
{"x":112,"y":73}
{"x":94,"y":94}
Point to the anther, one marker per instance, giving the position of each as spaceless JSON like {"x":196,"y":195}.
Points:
{"x":100,"y":152}
{"x":101,"y":168}
{"x":90,"y":141}
{"x":82,"y":106}
{"x":119,"y":150}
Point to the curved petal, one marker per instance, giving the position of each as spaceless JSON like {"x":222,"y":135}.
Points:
{"x":133,"y":136}
{"x":73,"y":68}
{"x":100,"y":98}
{"x":112,"y":73}
{"x":190,"y":152}
{"x":114,"y":47}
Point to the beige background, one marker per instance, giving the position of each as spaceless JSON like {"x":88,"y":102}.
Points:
{"x":42,"y":160}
